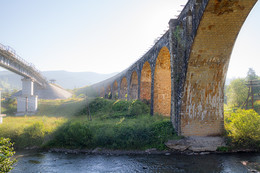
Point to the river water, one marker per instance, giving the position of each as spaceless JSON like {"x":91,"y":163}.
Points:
{"x":72,"y":163}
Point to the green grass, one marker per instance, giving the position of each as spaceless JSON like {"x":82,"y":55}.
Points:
{"x":29,"y":131}
{"x":140,"y":132}
{"x":114,"y":125}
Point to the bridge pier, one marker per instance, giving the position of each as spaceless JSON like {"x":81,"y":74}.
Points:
{"x":27,"y":103}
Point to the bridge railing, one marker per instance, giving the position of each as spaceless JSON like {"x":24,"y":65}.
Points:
{"x":30,"y":65}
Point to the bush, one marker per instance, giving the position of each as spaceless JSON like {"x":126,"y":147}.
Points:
{"x":32,"y":135}
{"x":137,"y":107}
{"x":120,"y":106}
{"x":73,"y":134}
{"x":243,"y":127}
{"x":6,"y":152}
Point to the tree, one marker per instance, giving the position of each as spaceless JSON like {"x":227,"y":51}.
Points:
{"x":237,"y":92}
{"x":251,"y":75}
{"x":6,"y":152}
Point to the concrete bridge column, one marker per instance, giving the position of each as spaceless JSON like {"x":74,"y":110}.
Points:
{"x":27,"y":103}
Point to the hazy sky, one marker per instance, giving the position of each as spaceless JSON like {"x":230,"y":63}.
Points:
{"x":104,"y":36}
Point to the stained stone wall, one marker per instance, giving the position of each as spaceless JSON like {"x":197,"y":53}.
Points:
{"x":183,"y":74}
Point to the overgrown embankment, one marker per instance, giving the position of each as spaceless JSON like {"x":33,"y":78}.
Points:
{"x":243,"y":129}
{"x":102,"y":123}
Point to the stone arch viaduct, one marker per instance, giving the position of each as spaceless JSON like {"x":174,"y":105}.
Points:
{"x":183,"y":74}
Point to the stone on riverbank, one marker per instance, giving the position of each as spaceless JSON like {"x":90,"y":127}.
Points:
{"x":196,"y":144}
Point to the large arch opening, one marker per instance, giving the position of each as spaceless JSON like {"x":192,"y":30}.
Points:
{"x":162,"y":83}
{"x":123,"y":88}
{"x":115,"y":90}
{"x":102,"y":92}
{"x":146,"y":81}
{"x":202,"y":111}
{"x":108,"y":92}
{"x":133,"y":95}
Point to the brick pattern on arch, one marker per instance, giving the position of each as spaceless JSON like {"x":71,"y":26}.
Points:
{"x":108,"y":91}
{"x":162,"y":83}
{"x":115,"y":90}
{"x":146,"y":80}
{"x":133,"y":94}
{"x":123,"y":88}
{"x":202,"y":111}
{"x":102,"y":92}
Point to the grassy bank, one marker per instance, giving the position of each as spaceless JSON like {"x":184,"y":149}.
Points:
{"x":103,"y":123}
{"x":243,"y":129}
{"x":29,"y":131}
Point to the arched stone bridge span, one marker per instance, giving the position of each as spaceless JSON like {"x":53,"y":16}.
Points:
{"x":183,"y":74}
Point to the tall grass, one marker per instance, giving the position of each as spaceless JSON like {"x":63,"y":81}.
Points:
{"x":114,"y":124}
{"x":243,"y":128}
{"x":29,"y":131}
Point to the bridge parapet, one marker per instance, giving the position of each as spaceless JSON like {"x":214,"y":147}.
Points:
{"x":10,"y":60}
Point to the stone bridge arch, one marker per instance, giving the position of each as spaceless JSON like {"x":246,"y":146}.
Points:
{"x":102,"y":92}
{"x":115,"y":94}
{"x":108,"y":92}
{"x":146,"y":82}
{"x":133,"y":93}
{"x":202,"y":104}
{"x":123,"y":88}
{"x":162,"y":83}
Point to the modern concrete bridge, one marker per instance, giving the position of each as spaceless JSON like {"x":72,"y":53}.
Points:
{"x":33,"y":83}
{"x":183,"y":74}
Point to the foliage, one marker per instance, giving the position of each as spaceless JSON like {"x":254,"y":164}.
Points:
{"x":138,"y":107}
{"x":243,"y":127}
{"x":6,"y":152}
{"x":73,"y":134}
{"x":237,"y":92}
{"x":141,"y":132}
{"x":115,"y":124}
{"x":251,"y":75}
{"x":9,"y":106}
{"x":223,"y":149}
{"x":120,"y":106}
{"x":29,"y":131}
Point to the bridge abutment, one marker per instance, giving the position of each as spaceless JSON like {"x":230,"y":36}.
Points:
{"x":27,"y":103}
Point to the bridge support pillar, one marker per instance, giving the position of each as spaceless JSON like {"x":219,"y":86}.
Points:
{"x":27,"y":103}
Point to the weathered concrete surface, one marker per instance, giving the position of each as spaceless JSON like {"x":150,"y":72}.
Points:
{"x":196,"y":144}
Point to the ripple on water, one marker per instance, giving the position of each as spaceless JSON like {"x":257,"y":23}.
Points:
{"x":66,"y":163}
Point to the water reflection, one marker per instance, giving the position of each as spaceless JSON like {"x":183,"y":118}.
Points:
{"x":66,"y":163}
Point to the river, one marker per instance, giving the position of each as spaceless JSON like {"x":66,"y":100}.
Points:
{"x":45,"y":162}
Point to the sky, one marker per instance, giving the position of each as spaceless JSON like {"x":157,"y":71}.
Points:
{"x":104,"y":36}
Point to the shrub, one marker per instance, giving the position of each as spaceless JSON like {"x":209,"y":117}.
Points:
{"x":33,"y":135}
{"x":6,"y":152}
{"x":137,"y":107}
{"x":243,"y":127}
{"x":120,"y":106}
{"x":73,"y":134}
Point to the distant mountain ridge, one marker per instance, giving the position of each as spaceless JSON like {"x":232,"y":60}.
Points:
{"x":67,"y":80}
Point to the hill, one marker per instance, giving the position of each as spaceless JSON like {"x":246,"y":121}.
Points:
{"x":67,"y":80}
